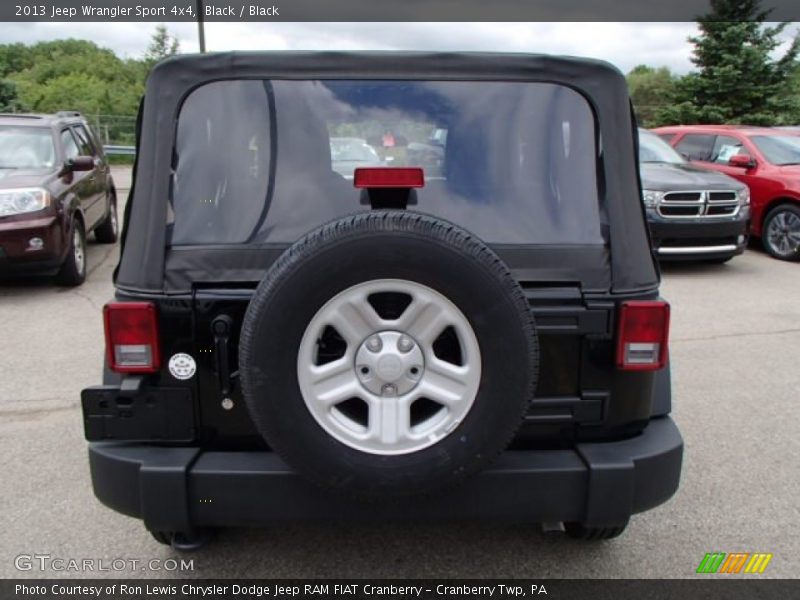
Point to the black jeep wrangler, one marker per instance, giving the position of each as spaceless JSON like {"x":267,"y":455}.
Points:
{"x":480,"y":336}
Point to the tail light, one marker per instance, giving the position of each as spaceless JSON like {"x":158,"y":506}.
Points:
{"x":389,"y":177}
{"x":643,"y":335}
{"x":131,"y":337}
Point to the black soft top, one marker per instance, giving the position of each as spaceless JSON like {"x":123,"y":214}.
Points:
{"x":146,"y":266}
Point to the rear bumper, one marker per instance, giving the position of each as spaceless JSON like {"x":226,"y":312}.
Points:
{"x":177,"y":489}
{"x":683,"y":239}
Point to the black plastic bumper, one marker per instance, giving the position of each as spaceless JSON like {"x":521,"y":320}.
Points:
{"x":681,"y":239}
{"x":177,"y":489}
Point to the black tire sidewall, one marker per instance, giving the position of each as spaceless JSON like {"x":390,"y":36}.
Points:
{"x":273,"y":331}
{"x":69,"y":274}
{"x":104,"y":233}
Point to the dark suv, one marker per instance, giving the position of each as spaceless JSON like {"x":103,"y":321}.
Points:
{"x":55,"y":188}
{"x":694,"y":213}
{"x":292,"y":342}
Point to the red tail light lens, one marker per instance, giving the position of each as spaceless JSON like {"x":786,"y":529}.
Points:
{"x":131,"y":337}
{"x":643,"y":335}
{"x":389,"y":177}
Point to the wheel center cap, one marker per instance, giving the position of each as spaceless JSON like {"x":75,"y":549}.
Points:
{"x":389,"y":363}
{"x":390,"y":367}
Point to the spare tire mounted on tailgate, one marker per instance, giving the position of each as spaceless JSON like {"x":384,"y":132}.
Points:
{"x":388,"y":353}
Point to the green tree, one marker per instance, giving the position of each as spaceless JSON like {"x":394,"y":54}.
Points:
{"x":13,"y":58}
{"x":651,"y":90}
{"x":162,"y":45}
{"x":9,"y":101}
{"x":739,"y":80}
{"x":73,"y":91}
{"x":790,"y":100}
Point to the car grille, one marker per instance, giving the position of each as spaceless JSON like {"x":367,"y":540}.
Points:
{"x":694,"y":204}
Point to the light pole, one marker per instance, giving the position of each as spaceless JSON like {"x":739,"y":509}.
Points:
{"x":201,"y":34}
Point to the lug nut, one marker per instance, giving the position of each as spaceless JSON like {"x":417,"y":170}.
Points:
{"x":374,"y":344}
{"x":405,"y":344}
{"x":389,"y":389}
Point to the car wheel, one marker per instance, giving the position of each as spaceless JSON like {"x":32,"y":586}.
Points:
{"x":162,"y":537}
{"x":579,"y":531}
{"x":781,"y":235}
{"x":73,"y":271}
{"x":108,"y":231}
{"x":387,"y":354}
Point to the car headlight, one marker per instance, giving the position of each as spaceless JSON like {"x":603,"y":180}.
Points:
{"x":651,"y":198}
{"x":744,"y":197}
{"x":23,"y":200}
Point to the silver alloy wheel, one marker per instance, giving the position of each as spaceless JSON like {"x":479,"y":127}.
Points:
{"x":783,"y":233}
{"x":79,"y":250}
{"x":389,"y":365}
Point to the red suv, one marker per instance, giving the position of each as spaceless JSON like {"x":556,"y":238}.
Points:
{"x":767,"y":160}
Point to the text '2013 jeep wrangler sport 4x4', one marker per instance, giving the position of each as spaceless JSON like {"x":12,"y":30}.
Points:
{"x":476,"y":337}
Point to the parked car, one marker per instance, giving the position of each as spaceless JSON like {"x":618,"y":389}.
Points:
{"x":429,"y":154}
{"x":289,"y":344}
{"x":767,"y":161}
{"x":693,"y":213}
{"x":348,"y":154}
{"x":55,"y":189}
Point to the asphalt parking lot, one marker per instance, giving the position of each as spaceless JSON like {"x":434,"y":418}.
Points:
{"x":736,"y":381}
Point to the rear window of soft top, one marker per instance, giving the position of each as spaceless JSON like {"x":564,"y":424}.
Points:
{"x":266,"y":161}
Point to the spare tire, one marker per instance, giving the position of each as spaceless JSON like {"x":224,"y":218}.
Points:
{"x":388,"y":353}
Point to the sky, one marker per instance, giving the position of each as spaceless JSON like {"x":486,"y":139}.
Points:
{"x":623,"y":44}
